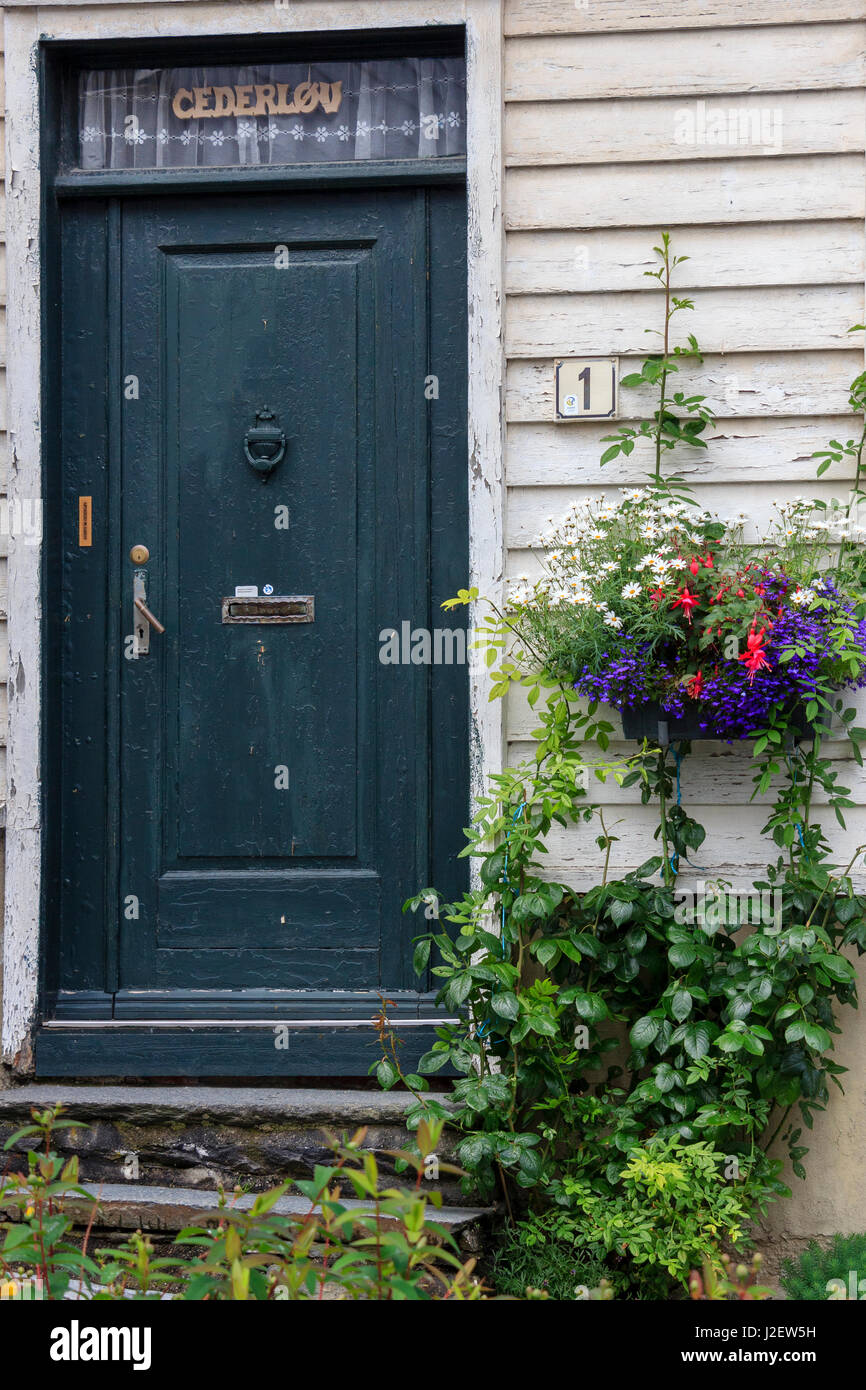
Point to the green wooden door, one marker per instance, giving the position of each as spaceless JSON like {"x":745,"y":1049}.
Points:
{"x":243,"y":808}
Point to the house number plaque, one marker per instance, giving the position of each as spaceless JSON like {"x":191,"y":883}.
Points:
{"x":586,"y":387}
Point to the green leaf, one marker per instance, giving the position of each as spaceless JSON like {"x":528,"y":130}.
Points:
{"x":644,"y":1032}
{"x":421,"y":955}
{"x":682,"y":956}
{"x":681,"y":1005}
{"x":620,"y":912}
{"x":387,"y":1074}
{"x":506,"y":1005}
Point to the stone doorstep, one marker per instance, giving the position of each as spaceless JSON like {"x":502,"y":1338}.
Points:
{"x":238,"y":1105}
{"x":205,"y":1137}
{"x":130,"y":1208}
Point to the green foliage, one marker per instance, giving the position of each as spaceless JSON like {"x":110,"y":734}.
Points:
{"x":678,"y":419}
{"x":543,"y":1252}
{"x":738,"y":1284}
{"x":669,"y":1209}
{"x":835,"y":1273}
{"x":39,"y":1243}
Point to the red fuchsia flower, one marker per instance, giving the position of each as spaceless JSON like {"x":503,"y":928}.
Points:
{"x":657,"y":596}
{"x":708,"y":562}
{"x":755,"y":657}
{"x":696,"y":685}
{"x":687,"y":602}
{"x":695,"y":566}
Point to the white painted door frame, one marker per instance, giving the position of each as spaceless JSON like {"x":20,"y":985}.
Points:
{"x":24,"y":26}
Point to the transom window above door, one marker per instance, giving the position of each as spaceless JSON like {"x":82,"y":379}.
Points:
{"x":280,"y":113}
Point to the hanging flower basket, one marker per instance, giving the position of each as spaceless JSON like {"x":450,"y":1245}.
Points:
{"x":666,"y":613}
{"x":653,"y":722}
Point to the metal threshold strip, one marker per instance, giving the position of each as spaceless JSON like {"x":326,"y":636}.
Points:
{"x":134,"y":1024}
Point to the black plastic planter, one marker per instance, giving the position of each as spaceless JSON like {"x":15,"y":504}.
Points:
{"x":652,"y":722}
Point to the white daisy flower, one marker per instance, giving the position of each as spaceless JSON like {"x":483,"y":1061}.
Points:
{"x":632,"y":590}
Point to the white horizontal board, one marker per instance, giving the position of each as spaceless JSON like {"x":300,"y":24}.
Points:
{"x":796,"y":317}
{"x":774,"y":253}
{"x":670,"y":194}
{"x":738,"y":450}
{"x":531,"y":509}
{"x":527,"y":17}
{"x":773,"y":59}
{"x":739,"y":384}
{"x":714,"y":781}
{"x":732,"y":839}
{"x":598,"y":132}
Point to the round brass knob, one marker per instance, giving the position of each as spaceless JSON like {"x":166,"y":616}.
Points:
{"x":139,"y":554}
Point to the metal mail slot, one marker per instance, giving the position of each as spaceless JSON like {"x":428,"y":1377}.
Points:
{"x":270,"y":608}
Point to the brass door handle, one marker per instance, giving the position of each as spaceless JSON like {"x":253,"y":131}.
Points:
{"x":142,"y":618}
{"x":145,"y":611}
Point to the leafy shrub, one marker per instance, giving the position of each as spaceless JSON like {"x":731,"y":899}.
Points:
{"x":835,"y":1273}
{"x":670,"y":1210}
{"x":543,"y":1252}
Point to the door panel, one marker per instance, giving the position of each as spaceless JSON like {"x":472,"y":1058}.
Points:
{"x":257,"y":801}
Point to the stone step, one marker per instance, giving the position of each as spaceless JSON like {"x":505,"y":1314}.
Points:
{"x":205,"y":1137}
{"x":133,"y":1207}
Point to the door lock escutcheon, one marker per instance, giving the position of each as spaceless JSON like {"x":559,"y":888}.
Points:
{"x":142,"y":618}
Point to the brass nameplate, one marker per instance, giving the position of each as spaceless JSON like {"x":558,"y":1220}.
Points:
{"x":270,"y":608}
{"x":85,"y":521}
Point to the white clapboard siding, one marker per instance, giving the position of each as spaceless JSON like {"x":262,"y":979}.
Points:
{"x":598,"y":132}
{"x":774,"y":253}
{"x":739,"y":451}
{"x":531,"y":508}
{"x":529,"y":17}
{"x":704,"y":781}
{"x":673,"y":193}
{"x":773,"y":59}
{"x":731,"y":838}
{"x":723,"y":320}
{"x":740,"y":384}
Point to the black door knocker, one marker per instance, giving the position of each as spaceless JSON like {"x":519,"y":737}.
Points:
{"x":264,"y":444}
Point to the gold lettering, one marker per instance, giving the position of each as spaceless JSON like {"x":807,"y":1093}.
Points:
{"x":182,"y":95}
{"x":283,"y":106}
{"x":306,"y":96}
{"x":243,"y":100}
{"x":224,"y":101}
{"x":334,"y":91}
{"x":265,"y":101}
{"x":202,"y":94}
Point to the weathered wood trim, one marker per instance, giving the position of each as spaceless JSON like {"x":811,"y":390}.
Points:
{"x":678,"y":193}
{"x":793,"y":384}
{"x":768,"y":253}
{"x":23,"y":839}
{"x":585,"y":66}
{"x":651,"y":129}
{"x":527,"y":17}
